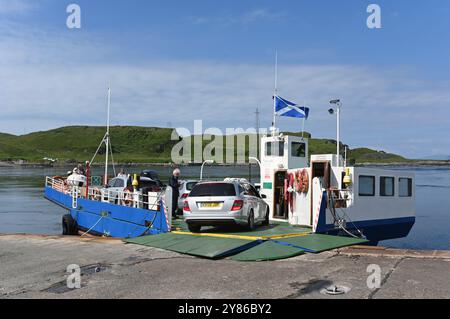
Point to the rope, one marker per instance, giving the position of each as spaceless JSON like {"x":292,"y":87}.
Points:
{"x":359,"y":231}
{"x":98,"y":149}
{"x":112,"y":159}
{"x":90,"y":229}
{"x":159,"y":199}
{"x":337,"y":220}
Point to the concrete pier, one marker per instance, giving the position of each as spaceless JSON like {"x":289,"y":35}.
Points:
{"x":35,"y":267}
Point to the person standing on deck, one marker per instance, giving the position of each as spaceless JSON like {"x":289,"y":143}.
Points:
{"x":175,"y":184}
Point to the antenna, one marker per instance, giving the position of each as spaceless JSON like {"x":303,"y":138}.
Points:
{"x":257,"y":122}
{"x":257,"y":129}
{"x":274,"y":125}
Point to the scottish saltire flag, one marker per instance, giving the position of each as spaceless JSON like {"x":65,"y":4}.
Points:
{"x":285,"y":108}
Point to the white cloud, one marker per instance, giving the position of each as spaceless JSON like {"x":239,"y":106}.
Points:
{"x":16,"y":6}
{"x":47,"y":83}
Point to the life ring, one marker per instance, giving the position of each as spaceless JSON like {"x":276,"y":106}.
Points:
{"x":127,"y":198}
{"x":304,"y":181}
{"x":298,"y":182}
{"x":96,"y":194}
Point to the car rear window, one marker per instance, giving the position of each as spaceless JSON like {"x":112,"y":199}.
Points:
{"x":190,"y":185}
{"x":210,"y":190}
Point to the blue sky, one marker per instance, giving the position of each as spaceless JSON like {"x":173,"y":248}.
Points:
{"x":171,"y":62}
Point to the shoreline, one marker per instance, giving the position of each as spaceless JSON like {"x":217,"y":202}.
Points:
{"x":418,"y":163}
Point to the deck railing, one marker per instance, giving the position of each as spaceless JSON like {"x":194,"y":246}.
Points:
{"x":150,"y":201}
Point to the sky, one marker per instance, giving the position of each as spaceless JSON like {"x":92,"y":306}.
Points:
{"x":172,"y":62}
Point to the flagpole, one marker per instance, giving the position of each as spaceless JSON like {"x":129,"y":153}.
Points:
{"x":274,"y":126}
{"x":304,"y":118}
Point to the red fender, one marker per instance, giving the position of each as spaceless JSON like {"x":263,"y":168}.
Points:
{"x":286,"y":193}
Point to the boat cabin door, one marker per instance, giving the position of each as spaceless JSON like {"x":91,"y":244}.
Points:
{"x":322,"y":170}
{"x":280,"y":207}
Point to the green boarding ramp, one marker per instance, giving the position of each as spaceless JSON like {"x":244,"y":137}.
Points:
{"x":279,"y":241}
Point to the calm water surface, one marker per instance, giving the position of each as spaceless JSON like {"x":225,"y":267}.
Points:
{"x":24,"y":210}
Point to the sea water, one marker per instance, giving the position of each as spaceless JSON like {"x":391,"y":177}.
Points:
{"x":23,"y":208}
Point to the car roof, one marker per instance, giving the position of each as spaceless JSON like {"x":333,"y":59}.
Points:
{"x":216,"y":182}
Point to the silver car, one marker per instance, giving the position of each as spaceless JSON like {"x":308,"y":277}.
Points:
{"x":185,"y":189}
{"x":228,"y":202}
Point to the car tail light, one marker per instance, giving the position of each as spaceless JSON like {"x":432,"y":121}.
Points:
{"x":185,"y":195}
{"x":237,"y":205}
{"x":186,"y":207}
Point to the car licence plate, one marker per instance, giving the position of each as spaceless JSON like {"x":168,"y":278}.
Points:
{"x":210,"y":205}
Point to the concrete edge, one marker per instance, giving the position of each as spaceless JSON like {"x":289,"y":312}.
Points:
{"x":87,"y":238}
{"x":393,"y":253}
{"x":347,"y":251}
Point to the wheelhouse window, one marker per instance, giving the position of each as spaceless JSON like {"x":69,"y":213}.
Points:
{"x":119,"y":183}
{"x":405,"y":187}
{"x":366,"y":185}
{"x":387,"y":186}
{"x":275,"y":148}
{"x":298,"y":149}
{"x":111,"y":182}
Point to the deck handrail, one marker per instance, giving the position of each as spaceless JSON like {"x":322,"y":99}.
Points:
{"x":122,"y":198}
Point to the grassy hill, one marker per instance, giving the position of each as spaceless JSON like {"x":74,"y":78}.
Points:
{"x":79,"y":143}
{"x":133,"y":144}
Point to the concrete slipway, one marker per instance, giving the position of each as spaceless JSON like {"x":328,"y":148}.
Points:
{"x":35,"y":267}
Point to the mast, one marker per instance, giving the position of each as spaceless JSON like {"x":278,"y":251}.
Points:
{"x":107,"y":136}
{"x":338,"y":133}
{"x":274,"y":124}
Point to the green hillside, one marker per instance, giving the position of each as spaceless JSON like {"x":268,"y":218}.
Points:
{"x":133,"y":144}
{"x":79,"y":143}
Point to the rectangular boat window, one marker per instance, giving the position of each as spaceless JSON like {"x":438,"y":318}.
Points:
{"x":405,"y":187}
{"x":298,"y":149}
{"x":119,"y":183}
{"x":387,"y":186}
{"x":366,"y":185}
{"x":111,"y":182}
{"x":275,"y":148}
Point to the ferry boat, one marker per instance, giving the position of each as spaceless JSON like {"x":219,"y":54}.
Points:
{"x":322,"y":192}
{"x":318,"y":191}
{"x":105,"y":210}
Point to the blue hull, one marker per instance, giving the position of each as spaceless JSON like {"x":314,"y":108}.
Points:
{"x":379,"y":230}
{"x":110,"y":220}
{"x":374,"y":230}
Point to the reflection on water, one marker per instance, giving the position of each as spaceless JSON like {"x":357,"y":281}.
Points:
{"x":24,"y":210}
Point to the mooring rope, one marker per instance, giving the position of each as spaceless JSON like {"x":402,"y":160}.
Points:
{"x":90,"y":229}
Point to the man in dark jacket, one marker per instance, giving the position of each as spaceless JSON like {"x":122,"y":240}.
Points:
{"x":175,"y":184}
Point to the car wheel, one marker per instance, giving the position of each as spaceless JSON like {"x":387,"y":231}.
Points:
{"x":251,"y":221}
{"x":69,"y":225}
{"x":266,"y":219}
{"x":194,"y":228}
